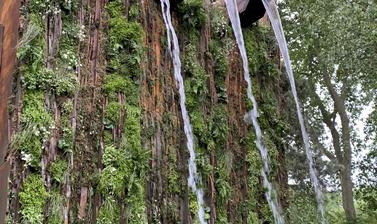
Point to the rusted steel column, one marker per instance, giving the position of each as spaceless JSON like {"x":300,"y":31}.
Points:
{"x":9,"y":19}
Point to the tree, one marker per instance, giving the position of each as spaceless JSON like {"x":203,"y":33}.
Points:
{"x":333,"y":48}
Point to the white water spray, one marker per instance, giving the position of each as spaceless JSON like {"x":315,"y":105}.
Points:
{"x":253,"y":115}
{"x":274,"y":17}
{"x":194,"y":178}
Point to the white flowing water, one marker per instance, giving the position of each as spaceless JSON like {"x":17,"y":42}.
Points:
{"x":194,"y":178}
{"x":273,"y":14}
{"x":253,"y":115}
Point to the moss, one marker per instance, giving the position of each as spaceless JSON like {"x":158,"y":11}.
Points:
{"x":33,"y":196}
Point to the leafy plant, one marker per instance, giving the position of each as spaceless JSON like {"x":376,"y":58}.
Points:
{"x":58,"y":170}
{"x":33,"y":196}
{"x":193,"y":14}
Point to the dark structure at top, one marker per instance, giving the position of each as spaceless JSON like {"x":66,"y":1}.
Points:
{"x":252,"y":13}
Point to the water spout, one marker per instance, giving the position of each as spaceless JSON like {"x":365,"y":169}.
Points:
{"x":193,"y":178}
{"x":274,"y":17}
{"x":253,"y":115}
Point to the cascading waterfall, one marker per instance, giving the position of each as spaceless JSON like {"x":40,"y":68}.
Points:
{"x":194,"y":178}
{"x":274,"y":17}
{"x":253,"y":115}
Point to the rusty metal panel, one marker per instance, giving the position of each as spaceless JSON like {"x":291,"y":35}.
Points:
{"x":1,"y":44}
{"x":4,"y":175}
{"x":9,"y":18}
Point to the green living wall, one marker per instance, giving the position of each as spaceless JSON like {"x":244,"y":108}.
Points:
{"x":97,"y":130}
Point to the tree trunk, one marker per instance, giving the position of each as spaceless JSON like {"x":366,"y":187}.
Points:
{"x":345,"y":172}
{"x":347,"y":195}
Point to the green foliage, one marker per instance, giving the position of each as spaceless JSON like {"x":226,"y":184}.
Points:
{"x":133,"y":130}
{"x":303,"y":209}
{"x":109,"y":212}
{"x":65,"y":142}
{"x":37,"y":122}
{"x":193,"y":14}
{"x":58,"y":170}
{"x":42,"y":8}
{"x":33,"y":196}
{"x":259,"y":46}
{"x":115,"y":8}
{"x":45,"y":79}
{"x":34,"y":111}
{"x":117,"y":84}
{"x":219,"y":24}
{"x":124,"y":34}
{"x":125,"y":46}
{"x":126,"y":166}
{"x":115,"y":175}
{"x":29,"y":144}
{"x":56,"y":208}
{"x":65,"y":84}
{"x":112,"y":113}
{"x":199,"y":126}
{"x":366,"y":201}
{"x":124,"y":174}
{"x":218,"y":125}
{"x":193,"y":69}
{"x":114,"y":84}
{"x":37,"y":78}
{"x":32,"y":43}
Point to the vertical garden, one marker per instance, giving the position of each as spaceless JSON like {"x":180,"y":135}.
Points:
{"x":97,"y":132}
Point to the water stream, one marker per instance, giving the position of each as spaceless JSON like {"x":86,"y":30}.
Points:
{"x":253,"y":115}
{"x":273,"y":14}
{"x":193,"y":178}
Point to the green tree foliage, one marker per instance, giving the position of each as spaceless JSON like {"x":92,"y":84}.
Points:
{"x":333,"y":49}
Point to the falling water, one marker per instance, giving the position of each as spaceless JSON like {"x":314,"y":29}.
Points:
{"x":193,"y":175}
{"x":273,"y":14}
{"x":253,"y":115}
